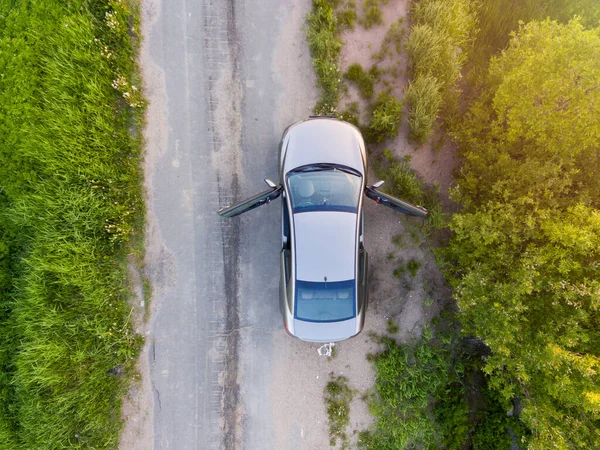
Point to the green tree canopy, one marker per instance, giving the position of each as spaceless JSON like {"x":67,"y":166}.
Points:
{"x":526,"y":249}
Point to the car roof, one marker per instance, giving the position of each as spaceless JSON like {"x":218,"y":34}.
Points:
{"x":325,"y":245}
{"x":323,"y":141}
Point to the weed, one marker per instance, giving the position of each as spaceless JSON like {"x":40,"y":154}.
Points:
{"x":386,"y":118}
{"x":427,"y":302}
{"x":347,"y":15}
{"x":390,"y":256}
{"x":392,"y":327}
{"x":351,"y":114}
{"x":364,"y":80}
{"x":413,"y":266}
{"x":398,"y":240}
{"x":333,"y":353}
{"x":372,"y":13}
{"x":337,"y":399}
{"x":399,"y":271}
{"x":393,"y":37}
{"x":322,"y":33}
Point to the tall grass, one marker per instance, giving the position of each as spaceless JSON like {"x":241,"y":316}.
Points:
{"x":437,"y":47}
{"x":423,"y":96}
{"x":71,"y":210}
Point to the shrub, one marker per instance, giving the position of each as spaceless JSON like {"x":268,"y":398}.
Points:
{"x":385,"y":119}
{"x":372,"y":13}
{"x":362,"y":79}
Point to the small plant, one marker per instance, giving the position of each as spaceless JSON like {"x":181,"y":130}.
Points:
{"x":347,"y":15}
{"x":399,"y":271}
{"x":372,"y":13}
{"x":364,"y":80}
{"x":392,"y":327}
{"x":390,"y":256}
{"x":386,"y":118}
{"x":394,"y":36}
{"x":398,"y":240}
{"x":413,"y":266}
{"x":337,"y":399}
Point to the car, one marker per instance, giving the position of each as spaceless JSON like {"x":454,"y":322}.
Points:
{"x":324,"y":265}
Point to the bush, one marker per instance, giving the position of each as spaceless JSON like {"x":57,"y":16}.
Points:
{"x":408,"y":380}
{"x":362,"y":79}
{"x":423,"y":99}
{"x":385,"y":119}
{"x":372,"y":13}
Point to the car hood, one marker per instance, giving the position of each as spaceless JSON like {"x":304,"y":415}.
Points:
{"x":323,"y":141}
{"x":325,"y":245}
{"x":324,"y":331}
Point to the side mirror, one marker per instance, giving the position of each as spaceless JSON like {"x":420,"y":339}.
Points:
{"x":270,"y":183}
{"x":378,"y":184}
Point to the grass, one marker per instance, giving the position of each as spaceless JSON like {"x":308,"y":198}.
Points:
{"x":372,"y":15}
{"x":394,"y":36}
{"x":392,"y":327}
{"x":385,"y":118}
{"x":402,"y":182}
{"x":424,"y":100}
{"x":338,"y":396}
{"x":364,"y":80}
{"x":322,"y":31}
{"x":71,"y":211}
{"x":438,"y":45}
{"x":413,"y":267}
{"x":347,"y":15}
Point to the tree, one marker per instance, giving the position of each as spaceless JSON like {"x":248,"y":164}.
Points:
{"x":527,"y":244}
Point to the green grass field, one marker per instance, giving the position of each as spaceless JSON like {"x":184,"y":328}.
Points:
{"x":71,"y":212}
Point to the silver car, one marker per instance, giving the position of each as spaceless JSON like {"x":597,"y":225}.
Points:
{"x":322,"y":175}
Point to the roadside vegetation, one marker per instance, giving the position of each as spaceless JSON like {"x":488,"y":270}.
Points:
{"x":521,"y":101}
{"x":71,"y":213}
{"x":438,"y":45}
{"x":524,"y":256}
{"x":338,"y":396}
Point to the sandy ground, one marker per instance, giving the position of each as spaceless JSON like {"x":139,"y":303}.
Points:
{"x":138,"y":407}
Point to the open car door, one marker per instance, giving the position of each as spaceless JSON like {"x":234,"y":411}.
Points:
{"x":393,"y":202}
{"x":264,"y":198}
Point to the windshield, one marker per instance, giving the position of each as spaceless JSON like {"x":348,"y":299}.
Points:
{"x":325,"y":302}
{"x":324,"y":188}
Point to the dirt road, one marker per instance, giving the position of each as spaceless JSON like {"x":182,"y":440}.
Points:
{"x":224,"y":78}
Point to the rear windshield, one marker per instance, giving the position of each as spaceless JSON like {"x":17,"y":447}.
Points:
{"x":325,"y":302}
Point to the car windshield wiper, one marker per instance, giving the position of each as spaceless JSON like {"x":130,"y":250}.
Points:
{"x":325,"y":166}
